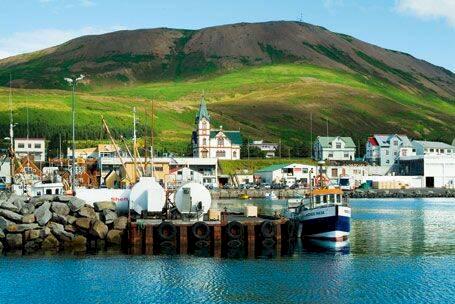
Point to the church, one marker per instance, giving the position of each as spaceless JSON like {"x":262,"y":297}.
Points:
{"x":214,"y":143}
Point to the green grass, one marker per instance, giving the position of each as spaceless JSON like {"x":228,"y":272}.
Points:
{"x":245,"y":166}
{"x":271,"y":102}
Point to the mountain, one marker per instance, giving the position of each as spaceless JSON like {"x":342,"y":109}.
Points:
{"x":266,"y":79}
{"x":170,"y":54}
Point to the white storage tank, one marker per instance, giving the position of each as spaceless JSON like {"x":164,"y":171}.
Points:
{"x":193,"y":198}
{"x":147,"y":195}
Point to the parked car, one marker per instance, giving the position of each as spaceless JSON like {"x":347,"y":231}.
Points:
{"x":266,"y":186}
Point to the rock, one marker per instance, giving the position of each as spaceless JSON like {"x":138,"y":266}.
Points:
{"x":14,"y":241}
{"x":45,"y":232}
{"x":83,"y":223}
{"x":59,"y":218}
{"x":39,"y":200}
{"x":70,"y":228}
{"x":21,"y":227}
{"x":8,"y":205}
{"x":60,"y":208}
{"x":28,"y":218}
{"x":50,"y":242}
{"x":79,"y":243}
{"x":109,"y":216}
{"x":99,"y":229}
{"x":100,"y":206}
{"x":63,"y":198}
{"x":120,"y":223}
{"x":32,"y":234}
{"x":58,"y":230}
{"x":1,"y":247}
{"x":87,"y":211}
{"x":27,"y":208}
{"x":31,"y":246}
{"x":11,"y":215}
{"x":43,"y":214}
{"x":114,"y":237}
{"x":2,"y":234}
{"x":4,"y":223}
{"x":75,"y":204}
{"x":71,"y":219}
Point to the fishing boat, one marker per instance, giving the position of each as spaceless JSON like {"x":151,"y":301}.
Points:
{"x":325,"y":216}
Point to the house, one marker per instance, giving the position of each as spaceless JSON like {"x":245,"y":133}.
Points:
{"x":269,"y":149}
{"x":437,"y":170}
{"x":334,"y":148}
{"x":288,"y":174}
{"x":386,"y":149}
{"x":179,"y":176}
{"x":432,"y":148}
{"x":32,"y":147}
{"x":347,"y":173}
{"x":85,"y":153}
{"x":211,"y":143}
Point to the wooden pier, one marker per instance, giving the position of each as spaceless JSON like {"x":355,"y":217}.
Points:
{"x":239,"y":237}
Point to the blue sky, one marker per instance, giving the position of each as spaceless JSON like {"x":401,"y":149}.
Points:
{"x":423,"y":28}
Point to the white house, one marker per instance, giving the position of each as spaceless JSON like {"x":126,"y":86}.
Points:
{"x":438,"y":170}
{"x":432,"y":148}
{"x":342,"y":171}
{"x":268,"y":148}
{"x":285,"y":174}
{"x":180,"y":176}
{"x":33,"y":147}
{"x":334,"y":148}
{"x":386,"y":150}
{"x":211,"y":143}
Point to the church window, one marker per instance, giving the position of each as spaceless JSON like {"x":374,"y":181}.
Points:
{"x":220,"y":141}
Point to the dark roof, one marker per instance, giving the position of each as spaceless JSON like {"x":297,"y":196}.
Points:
{"x":203,"y":112}
{"x":272,"y":168}
{"x":234,"y":136}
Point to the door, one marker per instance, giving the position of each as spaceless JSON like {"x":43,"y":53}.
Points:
{"x":429,"y":181}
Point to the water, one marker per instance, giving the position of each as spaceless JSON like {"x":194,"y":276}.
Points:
{"x":402,"y":251}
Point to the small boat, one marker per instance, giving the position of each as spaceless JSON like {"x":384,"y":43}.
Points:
{"x":244,"y":196}
{"x":271,"y":196}
{"x":295,"y":201}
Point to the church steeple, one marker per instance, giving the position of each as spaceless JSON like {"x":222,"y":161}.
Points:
{"x":203,"y":112}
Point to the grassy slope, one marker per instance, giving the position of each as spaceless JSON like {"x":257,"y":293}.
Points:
{"x":245,"y":166}
{"x":269,"y":101}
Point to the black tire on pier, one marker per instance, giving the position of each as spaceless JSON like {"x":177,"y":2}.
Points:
{"x":290,"y":225}
{"x":268,"y":243}
{"x":234,"y":230}
{"x":167,"y":231}
{"x":234,"y":244}
{"x":268,"y":229}
{"x":200,"y":230}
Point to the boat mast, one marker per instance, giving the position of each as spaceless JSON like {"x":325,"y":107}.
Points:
{"x":11,"y":132}
{"x":152,"y":150}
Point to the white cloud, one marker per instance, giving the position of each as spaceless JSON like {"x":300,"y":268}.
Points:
{"x":433,"y":9}
{"x":24,"y":42}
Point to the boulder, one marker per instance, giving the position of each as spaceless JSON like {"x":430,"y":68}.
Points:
{"x":4,"y":223}
{"x":31,"y":246}
{"x":79,"y":243}
{"x":99,"y":229}
{"x":83,"y":223}
{"x":120,"y":223}
{"x":21,"y":227}
{"x":59,"y":218}
{"x":14,"y":241}
{"x":2,"y":234}
{"x":109,"y":216}
{"x":50,"y":242}
{"x":63,"y":198}
{"x":71,"y":219}
{"x":32,"y":234}
{"x":100,"y":206}
{"x":60,"y":208}
{"x":58,"y":230}
{"x":43,"y":214}
{"x":75,"y":204}
{"x":11,"y":215}
{"x":27,"y":208}
{"x":87,"y":211}
{"x":39,"y":200}
{"x":28,"y":218}
{"x":70,"y":228}
{"x":45,"y":232}
{"x":1,"y":247}
{"x":114,"y":237}
{"x":9,"y":204}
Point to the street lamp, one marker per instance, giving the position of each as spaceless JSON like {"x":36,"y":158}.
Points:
{"x":73,"y":83}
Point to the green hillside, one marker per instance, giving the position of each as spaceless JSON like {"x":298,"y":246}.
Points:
{"x":270,"y":102}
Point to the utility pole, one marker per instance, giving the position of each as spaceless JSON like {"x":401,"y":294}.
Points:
{"x":311,"y":135}
{"x":73,"y":83}
{"x":152,"y":152}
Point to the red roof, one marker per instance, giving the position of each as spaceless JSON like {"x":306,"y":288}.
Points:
{"x":373,"y":141}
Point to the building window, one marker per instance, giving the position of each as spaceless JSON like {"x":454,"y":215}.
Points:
{"x":37,"y":146}
{"x":330,"y":155}
{"x":386,"y":152}
{"x":334,"y":172}
{"x":220,"y":141}
{"x":204,"y":142}
{"x":346,"y":155}
{"x":204,"y":125}
{"x":21,"y":146}
{"x":234,"y":154}
{"x":431,"y":150}
{"x":220,"y":153}
{"x":338,"y":145}
{"x":29,"y":146}
{"x":405,"y":152}
{"x":395,"y":142}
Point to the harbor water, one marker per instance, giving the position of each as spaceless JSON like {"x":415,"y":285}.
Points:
{"x":401,"y":251}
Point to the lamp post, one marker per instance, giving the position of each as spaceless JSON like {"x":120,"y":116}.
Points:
{"x":73,"y":83}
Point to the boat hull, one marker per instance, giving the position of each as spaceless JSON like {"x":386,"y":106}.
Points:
{"x":332,"y":223}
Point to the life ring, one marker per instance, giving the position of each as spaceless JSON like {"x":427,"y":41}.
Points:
{"x":167,"y":231}
{"x":267,"y":229}
{"x":200,"y":230}
{"x":234,"y":230}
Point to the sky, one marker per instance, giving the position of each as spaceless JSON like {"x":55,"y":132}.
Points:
{"x":423,"y":28}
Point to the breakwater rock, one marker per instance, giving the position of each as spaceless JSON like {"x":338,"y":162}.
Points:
{"x":56,"y":223}
{"x":402,"y":193}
